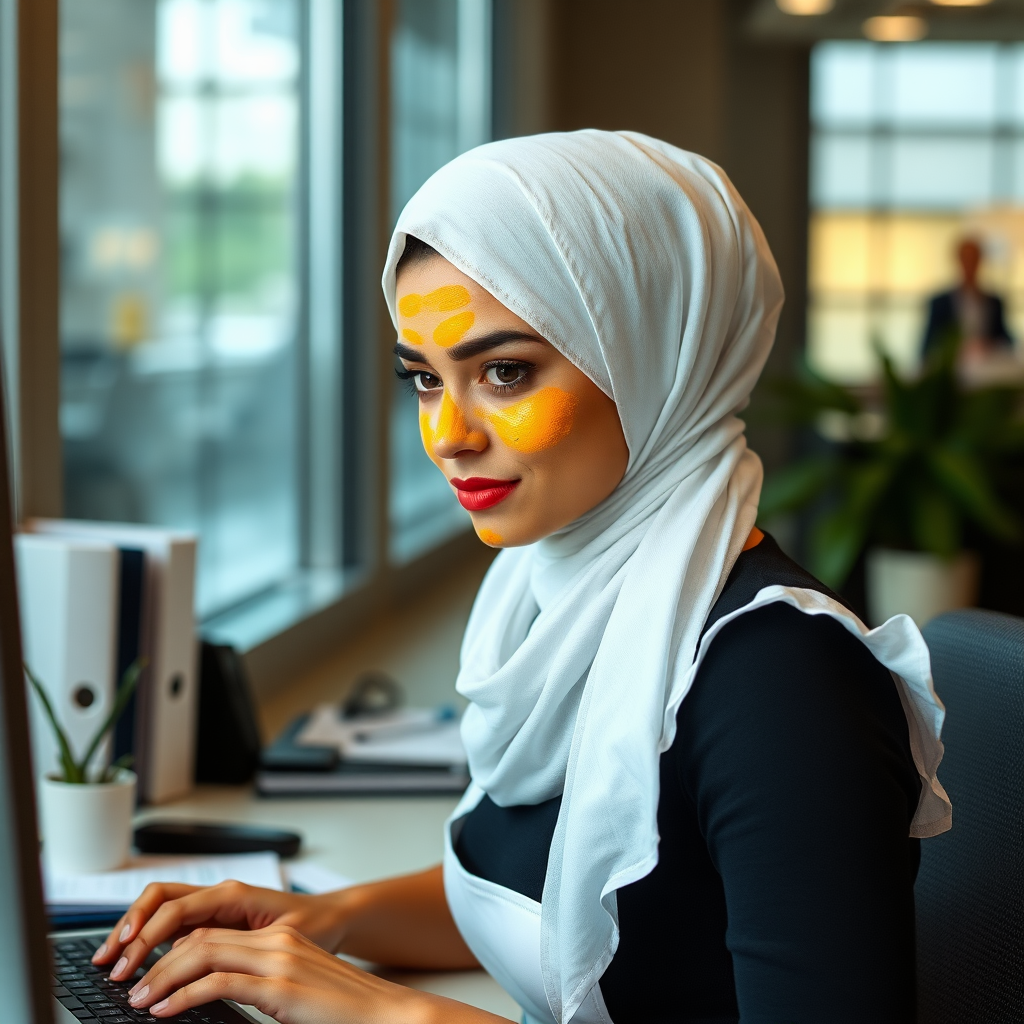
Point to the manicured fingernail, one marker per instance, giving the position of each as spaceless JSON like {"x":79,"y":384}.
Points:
{"x":99,"y":952}
{"x":157,"y":1007}
{"x":119,"y":967}
{"x":125,"y":932}
{"x":137,"y":997}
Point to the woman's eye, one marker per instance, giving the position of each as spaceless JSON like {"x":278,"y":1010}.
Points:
{"x":426,"y":381}
{"x":504,"y":375}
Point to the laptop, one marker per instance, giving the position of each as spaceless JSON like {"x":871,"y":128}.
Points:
{"x":45,"y":979}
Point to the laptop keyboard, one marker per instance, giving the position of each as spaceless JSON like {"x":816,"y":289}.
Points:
{"x":91,"y":996}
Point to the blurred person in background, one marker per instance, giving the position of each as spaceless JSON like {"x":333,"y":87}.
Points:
{"x":974,"y":314}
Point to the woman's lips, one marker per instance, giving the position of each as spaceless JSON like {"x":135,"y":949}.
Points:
{"x":478,"y":493}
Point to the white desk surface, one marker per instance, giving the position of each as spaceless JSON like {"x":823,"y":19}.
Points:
{"x":363,"y":838}
{"x":366,"y":838}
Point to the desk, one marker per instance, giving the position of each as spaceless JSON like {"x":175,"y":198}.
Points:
{"x":362,"y":838}
{"x":368,"y":838}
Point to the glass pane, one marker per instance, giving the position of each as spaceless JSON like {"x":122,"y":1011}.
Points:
{"x":894,"y":188}
{"x":941,"y":173}
{"x":841,"y":170}
{"x":178,"y":316}
{"x":436,"y":53}
{"x":842,"y":83}
{"x":841,"y":336}
{"x":941,"y":83}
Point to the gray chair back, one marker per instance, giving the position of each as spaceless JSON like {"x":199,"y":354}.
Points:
{"x":970,"y":889}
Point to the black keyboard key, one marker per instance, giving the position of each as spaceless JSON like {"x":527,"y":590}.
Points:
{"x":76,"y":983}
{"x":70,"y":1002}
{"x":122,"y":1019}
{"x":83,"y":1013}
{"x":108,"y":1011}
{"x":60,"y":990}
{"x":94,"y":997}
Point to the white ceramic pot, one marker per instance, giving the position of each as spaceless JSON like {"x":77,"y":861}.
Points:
{"x":919,"y":585}
{"x":87,"y":827}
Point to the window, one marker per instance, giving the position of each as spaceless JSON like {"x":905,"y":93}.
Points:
{"x":912,"y":147}
{"x":220,"y":323}
{"x":441,"y":106}
{"x":180,"y":280}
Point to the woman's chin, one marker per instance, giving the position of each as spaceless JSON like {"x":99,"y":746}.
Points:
{"x":503,"y":531}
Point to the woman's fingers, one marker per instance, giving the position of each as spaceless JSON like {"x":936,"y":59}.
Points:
{"x":153,"y":896}
{"x":224,"y":904}
{"x":243,"y":988}
{"x":276,"y":969}
{"x":273,"y":952}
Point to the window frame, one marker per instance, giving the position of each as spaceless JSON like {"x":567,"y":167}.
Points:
{"x":344,"y":389}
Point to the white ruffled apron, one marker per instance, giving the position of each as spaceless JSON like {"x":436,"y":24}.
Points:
{"x":502,"y":928}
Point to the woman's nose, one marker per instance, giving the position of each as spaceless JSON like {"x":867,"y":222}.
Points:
{"x":450,"y":434}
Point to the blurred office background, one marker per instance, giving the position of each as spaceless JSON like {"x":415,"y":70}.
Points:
{"x":229,"y":171}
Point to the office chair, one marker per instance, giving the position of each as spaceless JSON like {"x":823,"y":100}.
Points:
{"x":970,"y":889}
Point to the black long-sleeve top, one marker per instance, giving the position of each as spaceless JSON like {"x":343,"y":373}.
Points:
{"x":783,"y":891}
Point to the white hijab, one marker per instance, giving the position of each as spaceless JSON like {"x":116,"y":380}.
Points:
{"x":642,"y":265}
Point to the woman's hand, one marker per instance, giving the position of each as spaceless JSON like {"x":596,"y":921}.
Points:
{"x":287,"y":976}
{"x":169,"y":910}
{"x":402,"y":922}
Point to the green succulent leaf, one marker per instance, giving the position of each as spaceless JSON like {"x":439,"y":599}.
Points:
{"x":129,"y":681}
{"x":110,"y":772}
{"x":68,"y":765}
{"x":77,"y":771}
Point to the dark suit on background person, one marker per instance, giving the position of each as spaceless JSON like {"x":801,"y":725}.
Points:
{"x":943,"y":317}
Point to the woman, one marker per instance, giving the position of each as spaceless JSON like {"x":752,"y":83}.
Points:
{"x":698,"y":780}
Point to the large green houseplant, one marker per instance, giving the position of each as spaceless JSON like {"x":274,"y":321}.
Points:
{"x":908,"y":467}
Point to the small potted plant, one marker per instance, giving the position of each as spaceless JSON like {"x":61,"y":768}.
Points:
{"x":907,"y":468}
{"x":86,"y":814}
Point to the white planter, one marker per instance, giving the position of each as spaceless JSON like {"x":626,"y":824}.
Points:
{"x":86,"y":827}
{"x":919,"y":585}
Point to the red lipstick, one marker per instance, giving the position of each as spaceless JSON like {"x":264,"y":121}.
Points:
{"x":478,"y":493}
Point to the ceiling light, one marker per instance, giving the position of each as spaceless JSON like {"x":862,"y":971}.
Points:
{"x":803,"y":7}
{"x":896,"y":29}
{"x":961,"y":3}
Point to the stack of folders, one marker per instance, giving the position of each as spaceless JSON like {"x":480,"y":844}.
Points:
{"x":413,"y":750}
{"x":96,"y":597}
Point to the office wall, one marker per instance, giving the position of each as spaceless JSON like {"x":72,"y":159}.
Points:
{"x":683,"y":70}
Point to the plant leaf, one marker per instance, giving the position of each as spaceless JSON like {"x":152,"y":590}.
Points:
{"x":794,"y":487}
{"x":129,"y":681}
{"x":963,"y":479}
{"x":124,"y":761}
{"x":935,"y":522}
{"x":836,"y":541}
{"x":67,"y":760}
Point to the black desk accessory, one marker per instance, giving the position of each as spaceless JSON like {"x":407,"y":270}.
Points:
{"x":204,"y":837}
{"x":228,"y":741}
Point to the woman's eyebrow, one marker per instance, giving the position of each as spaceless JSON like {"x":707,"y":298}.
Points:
{"x":468,"y":349}
{"x":408,"y":353}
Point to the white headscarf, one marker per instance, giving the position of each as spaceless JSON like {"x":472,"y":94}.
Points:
{"x":642,"y":265}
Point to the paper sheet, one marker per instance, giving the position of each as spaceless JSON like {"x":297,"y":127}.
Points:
{"x":409,"y":736}
{"x":305,"y":876}
{"x":124,"y":886}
